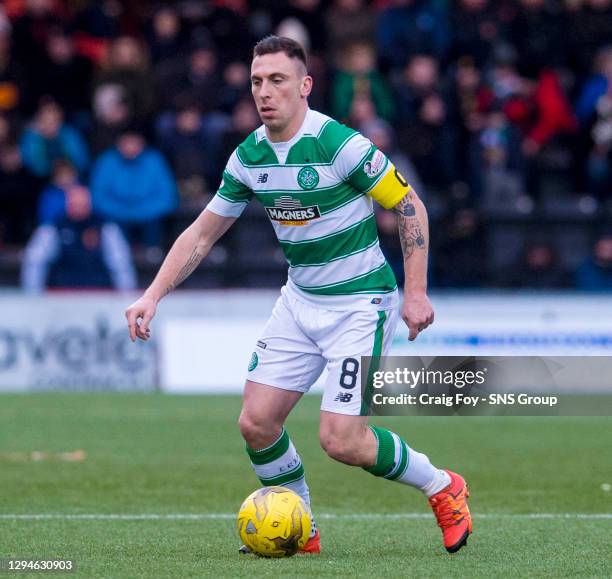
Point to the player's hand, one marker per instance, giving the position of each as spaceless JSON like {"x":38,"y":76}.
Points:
{"x":417,"y":313}
{"x":139,"y":316}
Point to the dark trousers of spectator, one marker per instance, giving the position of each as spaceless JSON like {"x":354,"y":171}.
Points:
{"x":17,"y":219}
{"x":147,"y":234}
{"x":600,"y":175}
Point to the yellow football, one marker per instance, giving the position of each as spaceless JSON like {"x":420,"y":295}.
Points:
{"x":274,"y":522}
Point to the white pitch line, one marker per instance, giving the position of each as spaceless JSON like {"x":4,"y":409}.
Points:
{"x":327,"y":516}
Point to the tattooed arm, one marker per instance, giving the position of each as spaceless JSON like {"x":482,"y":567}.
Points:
{"x":414,"y":237}
{"x":182,"y":259}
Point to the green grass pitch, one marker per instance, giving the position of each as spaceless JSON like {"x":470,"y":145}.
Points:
{"x":166,"y":455}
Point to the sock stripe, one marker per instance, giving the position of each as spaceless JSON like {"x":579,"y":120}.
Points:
{"x":282,"y":479}
{"x":272,"y":452}
{"x":398,"y":453}
{"x":399,"y":449}
{"x":403,"y":463}
{"x":403,"y":471}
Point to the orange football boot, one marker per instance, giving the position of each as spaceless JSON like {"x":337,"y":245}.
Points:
{"x":452,"y":512}
{"x":313,"y":545}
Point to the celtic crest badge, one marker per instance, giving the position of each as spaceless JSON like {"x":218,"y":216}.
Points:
{"x":308,"y":178}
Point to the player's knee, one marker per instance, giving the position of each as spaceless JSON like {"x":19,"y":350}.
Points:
{"x":340,"y":449}
{"x":250,"y":428}
{"x":256,"y":433}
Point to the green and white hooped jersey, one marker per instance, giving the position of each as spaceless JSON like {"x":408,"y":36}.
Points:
{"x":317,"y":190}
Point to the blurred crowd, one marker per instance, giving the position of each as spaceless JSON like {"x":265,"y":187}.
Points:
{"x":493,"y":110}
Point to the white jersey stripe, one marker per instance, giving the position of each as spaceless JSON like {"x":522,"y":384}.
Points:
{"x":221,"y":206}
{"x":337,"y":271}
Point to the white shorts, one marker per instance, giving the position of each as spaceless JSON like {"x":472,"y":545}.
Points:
{"x":300,"y":339}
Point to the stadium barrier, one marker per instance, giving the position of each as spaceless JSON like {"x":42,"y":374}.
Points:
{"x":202,"y":341}
{"x":71,"y":341}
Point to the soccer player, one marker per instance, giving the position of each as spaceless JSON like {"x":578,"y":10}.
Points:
{"x":316,"y":179}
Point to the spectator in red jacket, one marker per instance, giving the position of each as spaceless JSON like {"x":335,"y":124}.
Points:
{"x":553,"y":113}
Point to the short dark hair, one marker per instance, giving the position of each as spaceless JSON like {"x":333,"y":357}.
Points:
{"x":273,"y":44}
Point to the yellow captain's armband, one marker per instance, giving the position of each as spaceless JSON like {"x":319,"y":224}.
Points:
{"x":391,"y":189}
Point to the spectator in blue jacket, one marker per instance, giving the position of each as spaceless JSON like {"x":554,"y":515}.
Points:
{"x":52,"y":202}
{"x":49,"y":138}
{"x":132,"y":184}
{"x":595,"y":87}
{"x":595,"y":273}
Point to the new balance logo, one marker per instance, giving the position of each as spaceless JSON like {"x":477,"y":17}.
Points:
{"x":342,"y":397}
{"x":263,"y":178}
